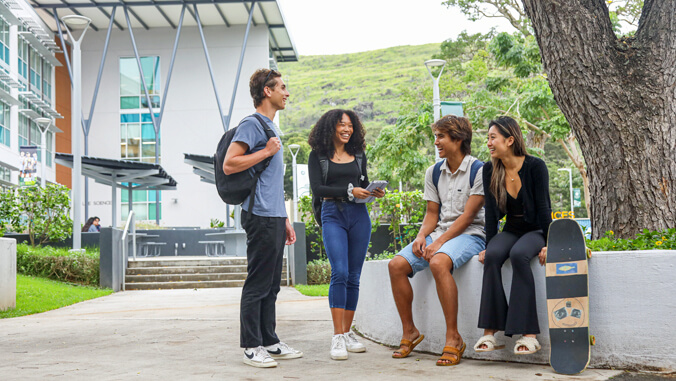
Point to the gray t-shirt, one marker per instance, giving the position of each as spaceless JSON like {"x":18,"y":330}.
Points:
{"x":270,"y":189}
{"x":454,"y":191}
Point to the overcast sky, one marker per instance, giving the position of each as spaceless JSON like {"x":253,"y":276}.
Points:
{"x":320,"y":27}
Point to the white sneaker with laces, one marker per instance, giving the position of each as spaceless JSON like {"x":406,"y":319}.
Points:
{"x":352,"y":344}
{"x":258,"y":357}
{"x":281,"y":351}
{"x":338,"y":348}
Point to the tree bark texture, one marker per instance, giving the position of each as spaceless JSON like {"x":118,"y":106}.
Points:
{"x":619,"y":96}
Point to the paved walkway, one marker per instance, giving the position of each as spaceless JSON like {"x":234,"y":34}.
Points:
{"x":194,"y":335}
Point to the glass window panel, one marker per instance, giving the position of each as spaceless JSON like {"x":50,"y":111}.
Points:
{"x":154,"y":98}
{"x":151,"y":196}
{"x":140,"y":196}
{"x":151,"y":211}
{"x":129,"y":103}
{"x":125,"y":212}
{"x":124,"y":196}
{"x":129,"y":118}
{"x":133,"y":131}
{"x":133,"y":148}
{"x":141,"y":211}
{"x":148,"y":132}
{"x":145,"y":118}
{"x":149,"y":150}
{"x":130,"y":81}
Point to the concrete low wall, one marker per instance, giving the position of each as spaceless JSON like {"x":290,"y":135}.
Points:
{"x":7,"y":273}
{"x":632,"y":307}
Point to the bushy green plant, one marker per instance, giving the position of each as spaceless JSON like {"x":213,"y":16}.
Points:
{"x":44,"y":213}
{"x":216,"y":223}
{"x":312,"y":228}
{"x":399,"y":208}
{"x":59,"y":264}
{"x":384,"y":255}
{"x":647,"y":240}
{"x":319,"y":272}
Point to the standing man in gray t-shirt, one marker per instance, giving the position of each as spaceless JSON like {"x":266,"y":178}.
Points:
{"x":267,"y":227}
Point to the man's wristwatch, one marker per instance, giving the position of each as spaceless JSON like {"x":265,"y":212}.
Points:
{"x":350,"y":196}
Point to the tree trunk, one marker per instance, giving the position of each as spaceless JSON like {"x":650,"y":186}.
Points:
{"x":536,"y":140}
{"x":618,"y":96}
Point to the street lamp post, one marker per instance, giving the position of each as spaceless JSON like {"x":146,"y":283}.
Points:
{"x":570,"y":182}
{"x":76,"y":23}
{"x":436,"y":100}
{"x":43,"y":125}
{"x":295,"y":147}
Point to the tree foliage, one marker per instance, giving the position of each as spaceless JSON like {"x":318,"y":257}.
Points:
{"x":43,"y":213}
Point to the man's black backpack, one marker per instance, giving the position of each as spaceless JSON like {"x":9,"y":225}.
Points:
{"x":324,"y":166}
{"x":235,"y":188}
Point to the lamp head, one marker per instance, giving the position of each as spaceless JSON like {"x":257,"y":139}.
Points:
{"x":77,"y":24}
{"x":43,"y":124}
{"x":430,"y":64}
{"x":294,"y":148}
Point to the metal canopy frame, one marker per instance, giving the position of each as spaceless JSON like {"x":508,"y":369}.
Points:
{"x":202,"y":166}
{"x":123,"y":174}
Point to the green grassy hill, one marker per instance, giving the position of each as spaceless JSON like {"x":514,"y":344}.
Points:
{"x":368,"y":82}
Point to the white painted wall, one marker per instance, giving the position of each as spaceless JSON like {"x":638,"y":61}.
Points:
{"x":191,"y":118}
{"x":7,"y":273}
{"x":632,"y":305}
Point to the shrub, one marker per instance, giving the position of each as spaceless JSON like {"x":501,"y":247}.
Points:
{"x":647,"y":240}
{"x":399,"y":208}
{"x":319,"y":272}
{"x":384,"y":255}
{"x":59,"y":264}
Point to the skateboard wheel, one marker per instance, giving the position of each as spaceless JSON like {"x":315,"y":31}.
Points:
{"x":592,"y":340}
{"x":589,"y":253}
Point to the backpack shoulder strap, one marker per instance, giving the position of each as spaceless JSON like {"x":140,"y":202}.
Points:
{"x":324,"y":166}
{"x":268,"y":131}
{"x":359,"y":158}
{"x":476,"y":164}
{"x":436,"y":173}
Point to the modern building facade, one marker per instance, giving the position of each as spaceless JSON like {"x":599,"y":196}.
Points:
{"x":28,"y":68}
{"x":190,"y":86}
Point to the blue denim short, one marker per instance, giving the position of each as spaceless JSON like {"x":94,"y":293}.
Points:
{"x":460,"y":249}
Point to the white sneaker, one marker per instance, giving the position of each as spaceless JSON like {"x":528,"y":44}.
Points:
{"x":282,"y":351}
{"x":259,"y":358}
{"x":338,"y":348}
{"x":352,"y":344}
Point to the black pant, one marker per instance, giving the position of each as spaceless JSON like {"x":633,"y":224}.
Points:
{"x":520,"y":316}
{"x":265,"y":237}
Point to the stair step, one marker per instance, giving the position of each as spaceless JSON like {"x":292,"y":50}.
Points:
{"x":178,"y":285}
{"x":183,"y":277}
{"x":186,"y":270}
{"x":188,"y":261}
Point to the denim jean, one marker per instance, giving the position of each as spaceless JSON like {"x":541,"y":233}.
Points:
{"x":346,"y":230}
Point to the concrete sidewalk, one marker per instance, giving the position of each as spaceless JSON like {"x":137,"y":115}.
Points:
{"x":194,"y":335}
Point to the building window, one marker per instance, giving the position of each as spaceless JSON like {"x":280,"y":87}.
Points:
{"x":143,"y":204}
{"x":36,"y":72}
{"x":23,"y":49}
{"x":35,"y":139}
{"x":5,"y":174}
{"x":4,"y":124}
{"x":47,"y":83}
{"x":4,"y":42}
{"x":24,"y":130}
{"x":137,"y":134}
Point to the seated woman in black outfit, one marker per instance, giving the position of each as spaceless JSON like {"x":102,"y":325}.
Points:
{"x":515,"y":185}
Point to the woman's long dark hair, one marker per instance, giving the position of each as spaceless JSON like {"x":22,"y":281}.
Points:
{"x":321,"y":136}
{"x":88,"y":224}
{"x":507,"y":127}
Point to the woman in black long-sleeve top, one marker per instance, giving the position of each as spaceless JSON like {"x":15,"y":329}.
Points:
{"x":516,"y":185}
{"x":338,"y":139}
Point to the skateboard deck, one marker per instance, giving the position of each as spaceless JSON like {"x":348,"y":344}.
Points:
{"x":567,"y":297}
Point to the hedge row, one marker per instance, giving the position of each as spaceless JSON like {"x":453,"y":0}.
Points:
{"x":58,"y":264}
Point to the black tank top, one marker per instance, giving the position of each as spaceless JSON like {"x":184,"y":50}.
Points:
{"x":515,"y":222}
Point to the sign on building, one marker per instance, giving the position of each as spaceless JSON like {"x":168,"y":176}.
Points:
{"x":28,"y":165}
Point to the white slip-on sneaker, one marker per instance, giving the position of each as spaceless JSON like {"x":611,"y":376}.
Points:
{"x":281,"y":351}
{"x":338,"y":348}
{"x":352,"y":344}
{"x":259,"y":358}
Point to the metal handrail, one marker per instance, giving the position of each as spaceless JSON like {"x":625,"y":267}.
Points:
{"x":131,"y":220}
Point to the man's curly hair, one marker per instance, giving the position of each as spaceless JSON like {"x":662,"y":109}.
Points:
{"x":322,"y":134}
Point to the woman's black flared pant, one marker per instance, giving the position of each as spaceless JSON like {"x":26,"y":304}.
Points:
{"x":520,"y":315}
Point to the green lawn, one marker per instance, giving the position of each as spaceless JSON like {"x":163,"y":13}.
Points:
{"x":313,"y":290}
{"x":35,"y":295}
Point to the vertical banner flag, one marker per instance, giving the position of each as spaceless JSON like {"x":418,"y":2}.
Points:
{"x":577,"y":197}
{"x":28,"y":164}
{"x":303,"y":182}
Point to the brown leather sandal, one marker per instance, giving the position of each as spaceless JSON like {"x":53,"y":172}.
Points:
{"x":448,"y":354}
{"x":410,"y":345}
